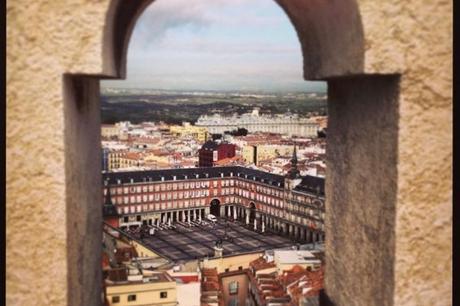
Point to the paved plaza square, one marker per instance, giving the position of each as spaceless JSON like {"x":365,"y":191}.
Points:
{"x":186,"y":243}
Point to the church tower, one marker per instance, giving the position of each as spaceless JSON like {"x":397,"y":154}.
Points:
{"x":109,"y":212}
{"x":293,"y":178}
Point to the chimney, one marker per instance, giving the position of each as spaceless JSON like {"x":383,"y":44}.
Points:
{"x":218,"y":249}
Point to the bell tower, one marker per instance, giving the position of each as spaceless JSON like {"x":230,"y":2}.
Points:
{"x":293,"y":178}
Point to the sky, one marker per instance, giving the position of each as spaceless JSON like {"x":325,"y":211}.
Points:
{"x":245,"y":45}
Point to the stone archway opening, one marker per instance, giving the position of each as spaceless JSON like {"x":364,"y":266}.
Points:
{"x":332,"y":52}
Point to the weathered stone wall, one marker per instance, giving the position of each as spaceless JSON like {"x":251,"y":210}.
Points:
{"x":414,"y":39}
{"x":52,"y":170}
{"x":362,"y":149}
{"x":53,"y":230}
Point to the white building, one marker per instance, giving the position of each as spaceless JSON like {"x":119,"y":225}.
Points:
{"x":254,"y":122}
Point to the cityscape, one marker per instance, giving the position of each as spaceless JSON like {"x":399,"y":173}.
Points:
{"x":213,"y":163}
{"x":226,"y":210}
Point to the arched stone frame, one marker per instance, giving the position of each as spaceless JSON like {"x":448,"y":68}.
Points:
{"x":397,"y":42}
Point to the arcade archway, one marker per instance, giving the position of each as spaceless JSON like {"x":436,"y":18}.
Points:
{"x":252,"y":212}
{"x":215,"y":207}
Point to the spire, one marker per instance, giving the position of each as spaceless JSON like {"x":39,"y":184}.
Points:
{"x":294,"y":172}
{"x":108,"y":209}
{"x":294,"y":157}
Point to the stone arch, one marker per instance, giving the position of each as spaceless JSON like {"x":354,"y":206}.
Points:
{"x":320,"y":39}
{"x":357,"y":141}
{"x":333,"y":28}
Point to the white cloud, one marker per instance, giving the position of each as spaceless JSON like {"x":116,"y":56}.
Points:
{"x":214,"y":44}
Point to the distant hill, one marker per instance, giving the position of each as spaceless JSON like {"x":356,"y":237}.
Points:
{"x":174,"y":108}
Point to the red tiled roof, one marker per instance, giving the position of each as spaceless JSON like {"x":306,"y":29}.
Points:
{"x":260,"y":264}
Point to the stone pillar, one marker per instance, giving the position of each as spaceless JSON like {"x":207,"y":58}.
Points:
{"x":222,"y":210}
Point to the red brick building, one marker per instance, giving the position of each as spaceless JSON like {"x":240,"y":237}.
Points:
{"x":291,"y":205}
{"x":212,"y":152}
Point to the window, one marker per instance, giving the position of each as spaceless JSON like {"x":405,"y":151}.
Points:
{"x":115,"y":299}
{"x":163,"y":294}
{"x":125,"y":219}
{"x":131,"y":297}
{"x":233,"y":287}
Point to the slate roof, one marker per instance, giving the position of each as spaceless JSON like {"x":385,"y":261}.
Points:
{"x":312,"y":184}
{"x":109,"y":211}
{"x":210,"y":145}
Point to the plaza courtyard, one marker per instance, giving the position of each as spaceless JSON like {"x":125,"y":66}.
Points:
{"x":181,"y":242}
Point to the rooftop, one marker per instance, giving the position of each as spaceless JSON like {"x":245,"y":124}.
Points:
{"x":117,"y":277}
{"x":295,"y":257}
{"x":309,"y":183}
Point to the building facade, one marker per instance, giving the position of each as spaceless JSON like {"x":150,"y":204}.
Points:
{"x":253,"y":154}
{"x":138,"y":289}
{"x":253,"y":122}
{"x":186,"y":129}
{"x":212,"y":152}
{"x":290,"y":205}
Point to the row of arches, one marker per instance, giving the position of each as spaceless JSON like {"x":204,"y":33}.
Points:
{"x":262,"y":222}
{"x":215,"y":209}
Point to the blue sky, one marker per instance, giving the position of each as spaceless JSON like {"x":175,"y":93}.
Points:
{"x":215,"y":45}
